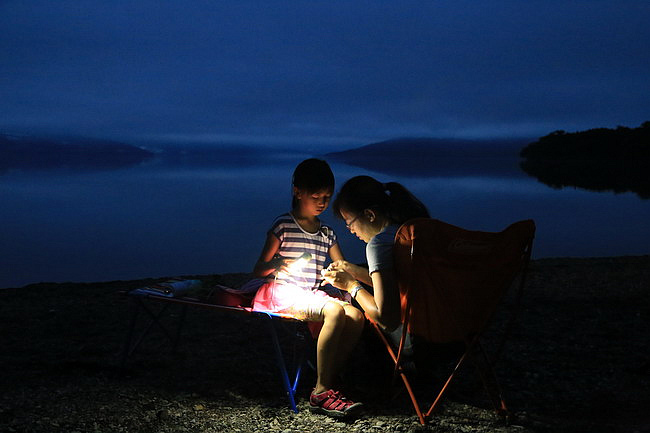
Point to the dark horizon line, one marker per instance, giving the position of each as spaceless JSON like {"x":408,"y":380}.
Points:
{"x":252,"y":143}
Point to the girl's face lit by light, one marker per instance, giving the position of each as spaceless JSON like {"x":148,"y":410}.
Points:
{"x":313,"y":203}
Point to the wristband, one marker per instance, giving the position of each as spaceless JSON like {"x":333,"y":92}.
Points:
{"x":355,"y":290}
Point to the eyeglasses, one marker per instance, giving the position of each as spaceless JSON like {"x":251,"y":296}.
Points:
{"x":349,"y":225}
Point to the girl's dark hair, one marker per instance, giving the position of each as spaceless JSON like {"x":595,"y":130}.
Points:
{"x":391,"y":200}
{"x":312,"y":175}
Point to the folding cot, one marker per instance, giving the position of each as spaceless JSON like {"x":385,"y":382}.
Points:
{"x":220,"y":301}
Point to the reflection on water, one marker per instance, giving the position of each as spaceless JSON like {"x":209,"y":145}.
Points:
{"x":617,"y":175}
{"x":196,"y":217}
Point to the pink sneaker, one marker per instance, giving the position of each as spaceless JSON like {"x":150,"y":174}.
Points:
{"x":333,"y":404}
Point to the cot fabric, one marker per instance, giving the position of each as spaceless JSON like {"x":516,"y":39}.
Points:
{"x":294,"y":241}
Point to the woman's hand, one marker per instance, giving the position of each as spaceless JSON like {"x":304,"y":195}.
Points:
{"x":339,"y":265}
{"x":339,"y":278}
{"x":356,"y":272}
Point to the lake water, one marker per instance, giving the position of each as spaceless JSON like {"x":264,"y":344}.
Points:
{"x":201,"y":217}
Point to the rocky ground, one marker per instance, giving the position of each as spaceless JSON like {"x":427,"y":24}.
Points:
{"x":578,"y":360}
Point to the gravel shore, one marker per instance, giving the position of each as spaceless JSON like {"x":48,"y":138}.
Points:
{"x":578,"y":360}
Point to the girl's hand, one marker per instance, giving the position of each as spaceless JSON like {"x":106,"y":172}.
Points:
{"x":281,"y":264}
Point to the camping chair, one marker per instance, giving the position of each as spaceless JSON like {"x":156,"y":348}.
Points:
{"x":451,"y":282}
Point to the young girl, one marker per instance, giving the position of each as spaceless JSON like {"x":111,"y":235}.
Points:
{"x":292,"y":279}
{"x":373,"y":211}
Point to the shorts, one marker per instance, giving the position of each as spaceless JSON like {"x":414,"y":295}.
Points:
{"x":292,"y":300}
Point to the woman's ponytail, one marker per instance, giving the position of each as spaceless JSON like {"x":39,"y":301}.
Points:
{"x":390,"y":199}
{"x":403,"y":204}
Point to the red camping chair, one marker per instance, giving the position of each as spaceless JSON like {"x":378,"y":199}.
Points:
{"x":451,"y":282}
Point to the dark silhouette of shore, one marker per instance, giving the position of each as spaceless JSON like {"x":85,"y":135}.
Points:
{"x":600,"y":159}
{"x":42,"y":153}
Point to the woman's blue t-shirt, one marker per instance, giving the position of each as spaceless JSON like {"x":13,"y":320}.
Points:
{"x":379,"y":251}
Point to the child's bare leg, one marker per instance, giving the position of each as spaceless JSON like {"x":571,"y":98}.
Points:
{"x":327,"y":347}
{"x":354,"y":321}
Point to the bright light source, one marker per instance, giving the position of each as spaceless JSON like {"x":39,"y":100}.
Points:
{"x":297,"y":265}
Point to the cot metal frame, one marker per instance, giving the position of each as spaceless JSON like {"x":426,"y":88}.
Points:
{"x":290,"y":372}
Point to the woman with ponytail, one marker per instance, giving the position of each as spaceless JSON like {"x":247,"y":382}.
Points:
{"x":373,"y":211}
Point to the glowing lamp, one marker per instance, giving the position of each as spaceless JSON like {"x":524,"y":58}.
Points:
{"x":297,"y":265}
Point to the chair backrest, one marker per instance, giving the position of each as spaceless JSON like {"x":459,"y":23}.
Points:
{"x":451,"y":279}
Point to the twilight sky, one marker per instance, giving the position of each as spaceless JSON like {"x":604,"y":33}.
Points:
{"x":321,"y":72}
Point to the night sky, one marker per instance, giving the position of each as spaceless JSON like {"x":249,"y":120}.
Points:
{"x":322,"y":72}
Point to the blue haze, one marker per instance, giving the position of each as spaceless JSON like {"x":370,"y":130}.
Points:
{"x":201,"y":217}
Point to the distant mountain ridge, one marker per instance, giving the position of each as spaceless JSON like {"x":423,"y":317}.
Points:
{"x":33,"y":152}
{"x":431,"y":157}
{"x":436,"y":147}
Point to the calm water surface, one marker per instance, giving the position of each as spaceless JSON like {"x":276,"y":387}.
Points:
{"x":181,"y":218}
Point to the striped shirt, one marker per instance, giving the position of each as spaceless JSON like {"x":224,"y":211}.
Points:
{"x":294,"y":241}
